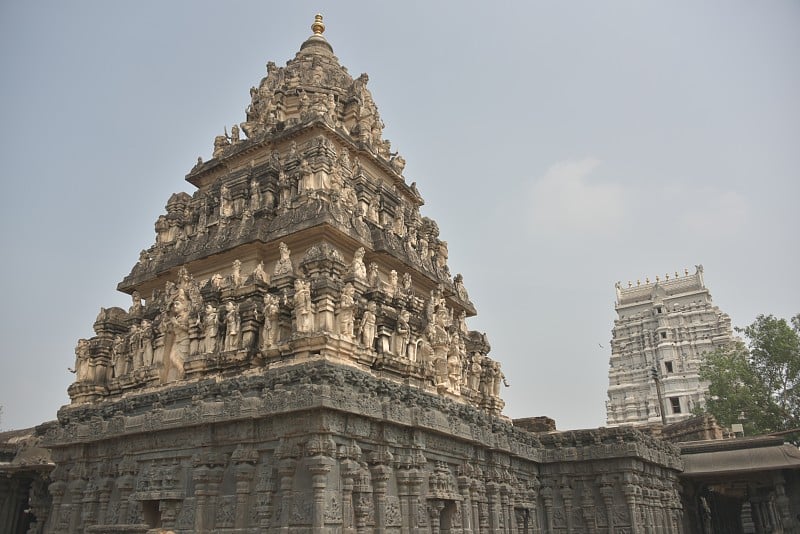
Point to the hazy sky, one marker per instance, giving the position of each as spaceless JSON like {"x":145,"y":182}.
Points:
{"x":561,"y":146}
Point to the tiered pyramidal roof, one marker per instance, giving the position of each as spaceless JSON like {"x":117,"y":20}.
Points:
{"x":302,"y":242}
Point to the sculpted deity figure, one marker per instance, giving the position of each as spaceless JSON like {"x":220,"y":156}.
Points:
{"x":347,"y":305}
{"x":357,"y":267}
{"x":422,"y":249}
{"x":305,"y":177}
{"x":399,"y":224}
{"x":232,"y":326}
{"x":402,"y":334}
{"x":349,"y":198}
{"x":373,"y":278}
{"x":236,"y":274}
{"x":225,"y":202}
{"x":303,"y":311}
{"x":461,"y":322}
{"x":344,"y":159}
{"x":497,"y":377}
{"x":255,"y":196}
{"x":293,"y":156}
{"x":441,"y":257}
{"x":146,"y":329}
{"x":177,"y":346}
{"x":210,"y":330}
{"x":425,"y":355}
{"x":367,"y":327}
{"x":454,"y":362}
{"x":284,"y":264}
{"x":81,"y":369}
{"x":405,"y":285}
{"x":235,"y":133}
{"x":284,"y":190}
{"x":331,"y":109}
{"x":373,"y":211}
{"x":461,"y":291}
{"x":271,"y":311}
{"x":162,"y":230}
{"x":217,"y":281}
{"x":135,"y":341}
{"x":260,"y":274}
{"x":119,"y":359}
{"x":475,"y":371}
{"x":136,"y":304}
{"x":393,"y":286}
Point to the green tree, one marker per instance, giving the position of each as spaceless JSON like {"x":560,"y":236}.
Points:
{"x":758,"y":383}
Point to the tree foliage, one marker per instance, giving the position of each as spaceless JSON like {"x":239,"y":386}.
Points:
{"x":757,"y":383}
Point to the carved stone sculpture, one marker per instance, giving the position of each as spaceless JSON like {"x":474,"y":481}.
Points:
{"x":210,"y":330}
{"x":347,"y":310}
{"x":236,"y":274}
{"x":269,"y":331}
{"x":373,"y":278}
{"x":357,"y":267}
{"x":402,"y":335}
{"x":303,"y":311}
{"x":81,"y":368}
{"x":260,"y":274}
{"x":367,"y":327}
{"x":284,"y":265}
{"x":176,"y":347}
{"x":232,"y":326}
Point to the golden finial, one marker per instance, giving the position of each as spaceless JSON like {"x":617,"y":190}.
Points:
{"x":318,"y":27}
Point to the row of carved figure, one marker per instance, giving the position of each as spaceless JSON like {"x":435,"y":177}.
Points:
{"x":179,"y":322}
{"x":333,"y":179}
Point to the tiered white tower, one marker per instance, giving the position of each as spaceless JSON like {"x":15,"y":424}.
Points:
{"x":662,"y":332}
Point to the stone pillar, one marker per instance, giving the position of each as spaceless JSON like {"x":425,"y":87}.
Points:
{"x":403,"y":493}
{"x":415,"y":479}
{"x":435,"y":512}
{"x":319,"y":467}
{"x":243,"y":472}
{"x":57,"y":490}
{"x":286,"y":469}
{"x":349,"y":470}
{"x":588,"y":506}
{"x":215,"y":473}
{"x":125,"y":485}
{"x":566,"y":496}
{"x":607,"y":494}
{"x":75,"y":489}
{"x":504,"y":508}
{"x":200,"y":477}
{"x":629,"y":490}
{"x":474,"y":491}
{"x":547,"y":496}
{"x":493,"y":496}
{"x":104,"y":489}
{"x":380,"y":479}
{"x":466,"y":504}
{"x":89,"y":506}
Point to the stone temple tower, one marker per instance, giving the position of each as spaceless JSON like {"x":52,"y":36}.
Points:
{"x":661,"y":334}
{"x":296,"y":359}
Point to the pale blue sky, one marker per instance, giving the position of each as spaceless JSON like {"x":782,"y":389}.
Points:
{"x":561,"y":146}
